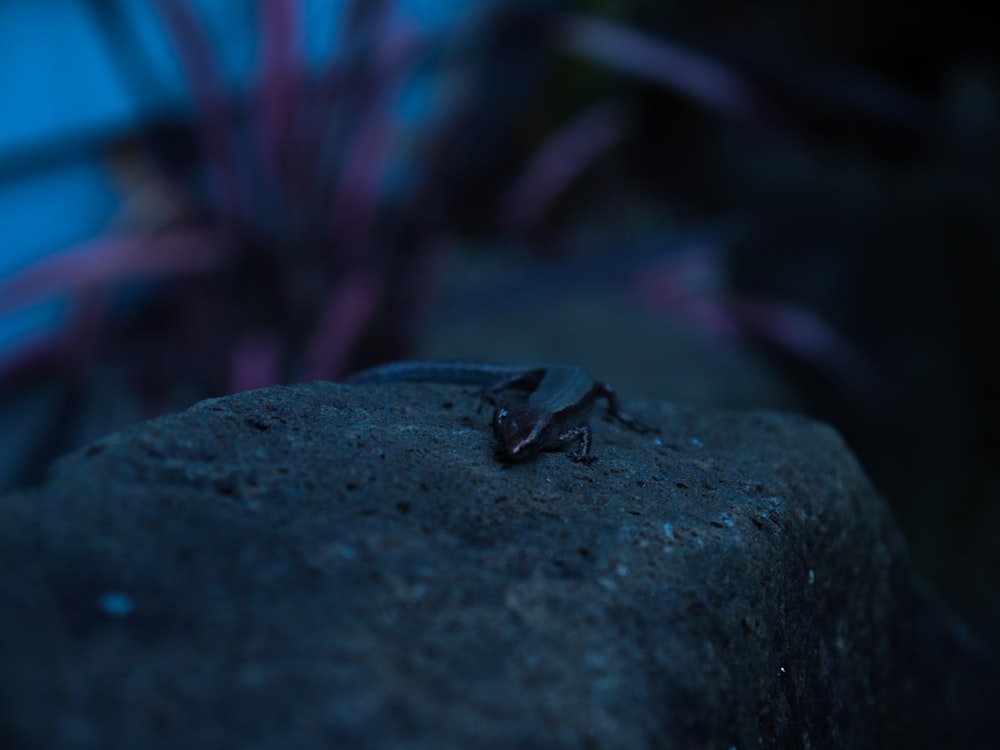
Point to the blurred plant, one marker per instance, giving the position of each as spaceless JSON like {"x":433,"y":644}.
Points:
{"x":295,"y":235}
{"x":267,"y":256}
{"x":286,"y":231}
{"x":691,"y":289}
{"x":691,"y":285}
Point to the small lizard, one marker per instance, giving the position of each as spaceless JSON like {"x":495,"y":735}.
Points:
{"x":561,"y":398}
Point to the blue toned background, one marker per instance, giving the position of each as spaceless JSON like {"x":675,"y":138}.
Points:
{"x":68,"y":103}
{"x":63,"y":98}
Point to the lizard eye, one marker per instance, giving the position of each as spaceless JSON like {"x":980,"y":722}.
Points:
{"x":499,"y":423}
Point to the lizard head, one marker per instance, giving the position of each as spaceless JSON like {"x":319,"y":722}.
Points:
{"x":520,"y":431}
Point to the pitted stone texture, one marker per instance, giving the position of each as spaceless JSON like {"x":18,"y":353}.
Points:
{"x":325,"y":566}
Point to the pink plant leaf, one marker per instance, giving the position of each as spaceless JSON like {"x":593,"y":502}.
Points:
{"x":334,"y":103}
{"x":558,"y":163}
{"x":357,"y":194}
{"x":255,"y":362}
{"x":283,"y":67}
{"x":41,"y":351}
{"x":112,"y":259}
{"x":804,"y":335}
{"x":349,"y":308}
{"x":207,"y":81}
{"x":690,"y":290}
{"x":688,"y":285}
{"x":662,"y":62}
{"x":68,"y":347}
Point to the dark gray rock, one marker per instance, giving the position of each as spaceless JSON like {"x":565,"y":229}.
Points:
{"x":320,"y":566}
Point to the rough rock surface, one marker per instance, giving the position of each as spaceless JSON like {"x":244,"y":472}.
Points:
{"x":323,"y":566}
